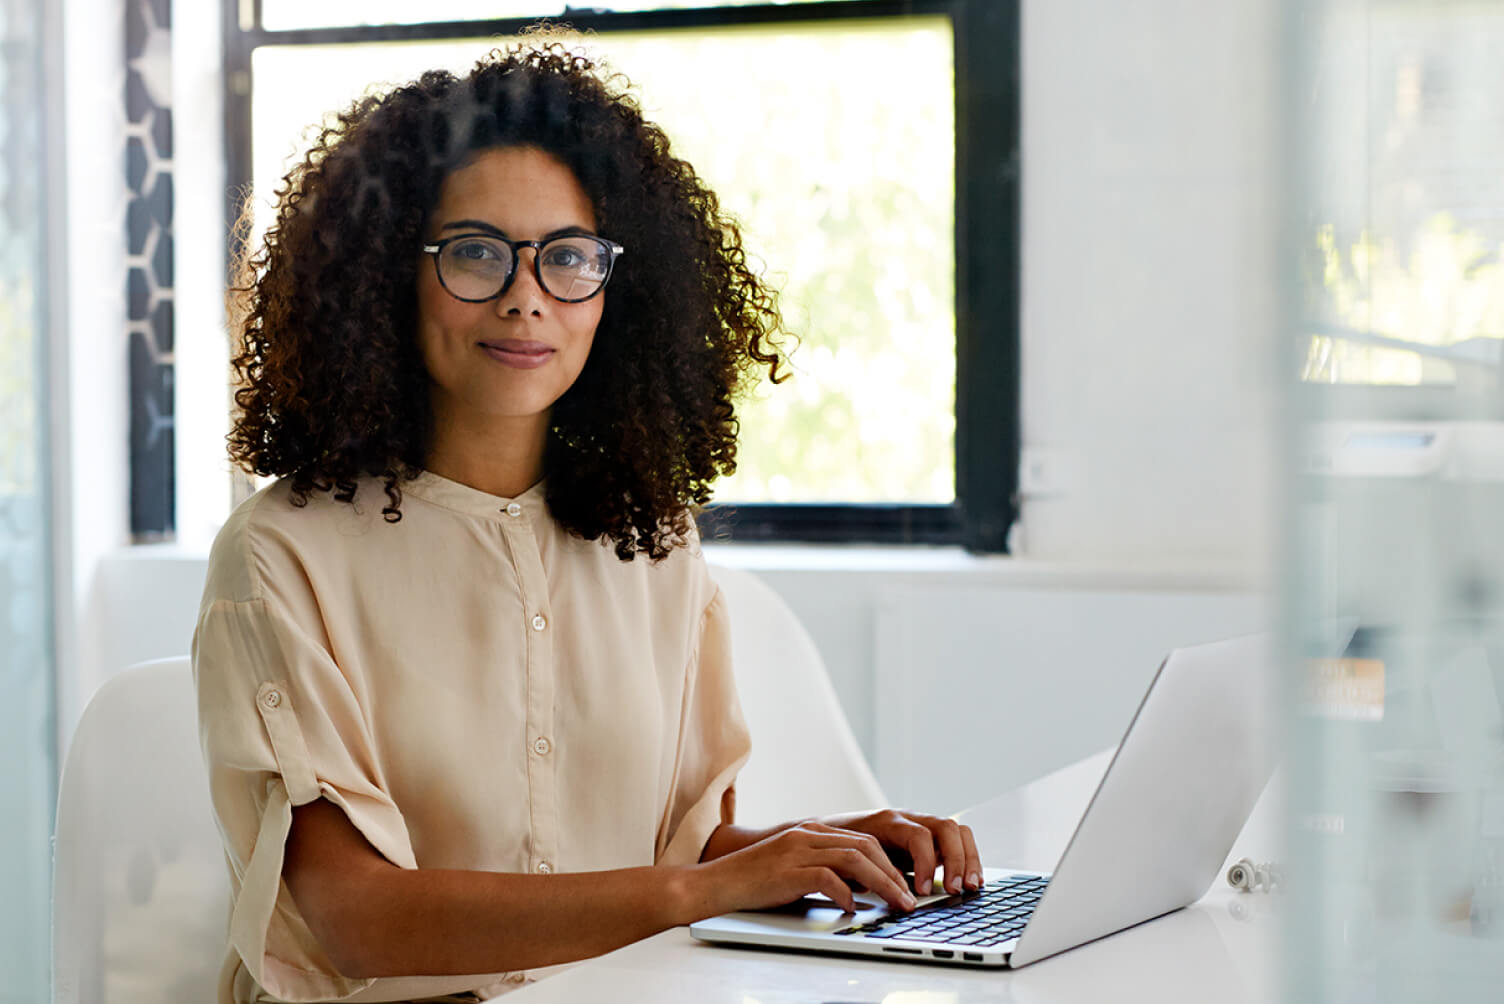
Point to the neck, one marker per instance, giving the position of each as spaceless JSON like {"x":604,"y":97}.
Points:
{"x":499,"y":455}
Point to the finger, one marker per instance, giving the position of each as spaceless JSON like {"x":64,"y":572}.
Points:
{"x":920,"y":843}
{"x":973,"y":859}
{"x":828,"y":882}
{"x":952,"y":852}
{"x":923,"y":852}
{"x":912,"y":848}
{"x":867,"y":844}
{"x":852,"y":863}
{"x":873,"y":847}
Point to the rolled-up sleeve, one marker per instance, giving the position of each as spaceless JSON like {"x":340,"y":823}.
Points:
{"x":281,"y":727}
{"x":713,"y":744}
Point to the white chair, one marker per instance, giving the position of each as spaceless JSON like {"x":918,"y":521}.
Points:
{"x":140,"y":891}
{"x":805,"y":760}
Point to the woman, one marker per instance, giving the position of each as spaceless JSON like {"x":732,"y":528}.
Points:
{"x":463,"y":677}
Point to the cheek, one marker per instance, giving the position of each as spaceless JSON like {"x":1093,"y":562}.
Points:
{"x":431,"y":300}
{"x":436,"y":337}
{"x":439,"y":315}
{"x":584,"y":324}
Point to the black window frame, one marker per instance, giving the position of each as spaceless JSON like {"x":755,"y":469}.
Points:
{"x":987,"y":244}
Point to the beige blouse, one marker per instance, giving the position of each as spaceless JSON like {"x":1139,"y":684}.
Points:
{"x":475,"y":687}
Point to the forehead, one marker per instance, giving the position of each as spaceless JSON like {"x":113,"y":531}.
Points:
{"x":515,"y":188}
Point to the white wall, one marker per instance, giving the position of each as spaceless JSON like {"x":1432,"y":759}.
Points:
{"x":1150,"y":196}
{"x":1149,"y":190}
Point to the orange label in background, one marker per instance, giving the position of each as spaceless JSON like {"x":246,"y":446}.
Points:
{"x":1345,"y":689}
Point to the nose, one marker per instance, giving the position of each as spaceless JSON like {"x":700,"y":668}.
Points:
{"x":524,"y":295}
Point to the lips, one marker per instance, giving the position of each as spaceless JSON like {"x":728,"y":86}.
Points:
{"x":518,"y":353}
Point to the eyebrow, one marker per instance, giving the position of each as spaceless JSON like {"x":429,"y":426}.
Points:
{"x":484,"y":227}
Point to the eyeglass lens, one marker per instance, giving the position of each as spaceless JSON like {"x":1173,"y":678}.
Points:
{"x":570,"y":268}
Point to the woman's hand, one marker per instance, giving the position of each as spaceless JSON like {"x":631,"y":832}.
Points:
{"x":803,"y":858}
{"x":926,"y":840}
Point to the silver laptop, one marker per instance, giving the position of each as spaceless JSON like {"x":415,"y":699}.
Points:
{"x":1176,"y":795}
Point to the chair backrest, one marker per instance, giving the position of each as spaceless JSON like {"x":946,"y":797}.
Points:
{"x":140,"y":891}
{"x":805,"y":760}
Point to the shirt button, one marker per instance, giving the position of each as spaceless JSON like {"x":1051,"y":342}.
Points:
{"x":539,"y":623}
{"x":516,"y":977}
{"x":541,"y":746}
{"x":272,"y":699}
{"x":544,"y":868}
{"x":513,"y":509}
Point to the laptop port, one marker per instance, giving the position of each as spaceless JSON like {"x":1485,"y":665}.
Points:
{"x":903,"y":951}
{"x":943,"y":953}
{"x":972,"y":956}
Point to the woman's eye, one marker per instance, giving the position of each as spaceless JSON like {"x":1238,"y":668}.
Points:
{"x":474,"y":251}
{"x":565,"y":257}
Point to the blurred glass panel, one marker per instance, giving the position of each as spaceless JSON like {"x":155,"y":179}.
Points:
{"x":1404,"y":260}
{"x":26,"y":679}
{"x":281,"y":15}
{"x":848,"y":201}
{"x":1396,"y":877}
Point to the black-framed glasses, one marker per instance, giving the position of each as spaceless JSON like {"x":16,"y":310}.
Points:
{"x":480,"y":267}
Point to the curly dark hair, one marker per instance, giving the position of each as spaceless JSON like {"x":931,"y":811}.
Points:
{"x":331,"y":384}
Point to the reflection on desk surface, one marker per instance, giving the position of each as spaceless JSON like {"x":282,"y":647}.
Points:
{"x":1184,"y":956}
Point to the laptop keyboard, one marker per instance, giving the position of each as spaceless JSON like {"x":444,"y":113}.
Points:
{"x":993,"y":914}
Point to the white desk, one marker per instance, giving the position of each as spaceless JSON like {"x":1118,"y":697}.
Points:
{"x":1219,"y":949}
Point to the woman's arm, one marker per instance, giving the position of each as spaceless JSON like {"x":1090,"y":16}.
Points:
{"x":375,"y":919}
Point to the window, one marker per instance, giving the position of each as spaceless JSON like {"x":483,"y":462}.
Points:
{"x":875,"y":176}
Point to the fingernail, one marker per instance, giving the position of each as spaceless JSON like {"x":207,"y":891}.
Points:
{"x":909,"y":902}
{"x":954,"y":884}
{"x":924,"y":887}
{"x":974,"y":879}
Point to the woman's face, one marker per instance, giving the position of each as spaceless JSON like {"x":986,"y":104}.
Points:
{"x":514,"y":356}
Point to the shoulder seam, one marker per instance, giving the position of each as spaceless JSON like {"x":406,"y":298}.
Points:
{"x":251,"y":555}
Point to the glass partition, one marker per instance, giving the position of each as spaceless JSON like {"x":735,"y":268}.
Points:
{"x":26,"y":679}
{"x":1396,"y":572}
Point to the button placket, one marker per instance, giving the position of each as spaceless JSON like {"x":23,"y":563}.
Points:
{"x":539,"y":694}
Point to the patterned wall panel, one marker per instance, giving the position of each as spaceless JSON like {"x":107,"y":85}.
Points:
{"x":149,"y":296}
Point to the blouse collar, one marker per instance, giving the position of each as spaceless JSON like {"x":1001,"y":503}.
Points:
{"x":462,"y":498}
